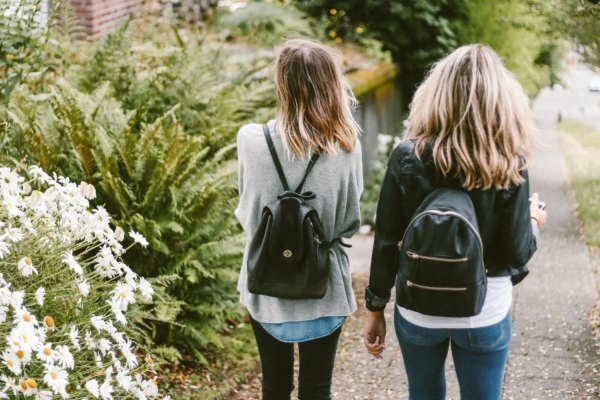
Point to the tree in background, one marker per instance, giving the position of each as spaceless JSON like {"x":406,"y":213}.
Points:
{"x":580,"y":20}
{"x":419,"y":32}
{"x":519,"y":31}
{"x":416,"y":32}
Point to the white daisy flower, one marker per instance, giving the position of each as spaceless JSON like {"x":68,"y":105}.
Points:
{"x":39,"y":295}
{"x":10,"y":383}
{"x":23,"y":337}
{"x":146,"y":289}
{"x":44,"y":395}
{"x":9,"y":179}
{"x":123,"y":296}
{"x":23,"y":317}
{"x":127,"y":351}
{"x":49,"y":322}
{"x":104,"y":346}
{"x":12,"y":204}
{"x":84,"y":288}
{"x":125,"y":381}
{"x":64,"y":357}
{"x":12,"y":361}
{"x":5,"y":295}
{"x":16,"y":298}
{"x":45,"y":353}
{"x":4,"y":249}
{"x":24,"y":355}
{"x":38,"y":173}
{"x":74,"y":337}
{"x":105,"y":390}
{"x":15,"y":235}
{"x":87,"y":190}
{"x":150,"y":387}
{"x":69,"y":259}
{"x":119,"y":234}
{"x":98,"y":322}
{"x":56,"y":378}
{"x":3,"y":311}
{"x":93,"y":387}
{"x":140,"y":395}
{"x":29,"y":386}
{"x":89,"y":341}
{"x":98,"y":359}
{"x":130,"y":278}
{"x":26,"y":267}
{"x":138,"y":238}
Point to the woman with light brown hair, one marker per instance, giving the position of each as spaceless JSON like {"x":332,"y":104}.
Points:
{"x":469,"y":131}
{"x":314,"y":115}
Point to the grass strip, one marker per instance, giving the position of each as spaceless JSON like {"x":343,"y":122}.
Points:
{"x":581,"y":148}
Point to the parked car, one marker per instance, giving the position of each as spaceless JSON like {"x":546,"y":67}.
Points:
{"x":594,"y":84}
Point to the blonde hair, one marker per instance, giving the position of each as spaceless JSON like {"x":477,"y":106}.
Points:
{"x":314,"y":100}
{"x":479,"y":117}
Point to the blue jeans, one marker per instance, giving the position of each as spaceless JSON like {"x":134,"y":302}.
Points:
{"x":479,"y":359}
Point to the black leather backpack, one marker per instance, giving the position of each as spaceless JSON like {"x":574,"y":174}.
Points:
{"x":289,"y":255}
{"x":441,"y":269}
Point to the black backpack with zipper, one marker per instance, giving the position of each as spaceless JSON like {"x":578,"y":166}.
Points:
{"x":441,"y":270}
{"x":289,"y":256}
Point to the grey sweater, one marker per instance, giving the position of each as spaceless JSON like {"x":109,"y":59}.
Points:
{"x":337,"y":182}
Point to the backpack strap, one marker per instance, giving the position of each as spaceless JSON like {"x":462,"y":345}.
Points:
{"x":311,"y":163}
{"x":271,"y":146}
{"x":275,"y":158}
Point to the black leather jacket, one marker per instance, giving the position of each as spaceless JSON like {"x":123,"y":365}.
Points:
{"x":503,"y":217}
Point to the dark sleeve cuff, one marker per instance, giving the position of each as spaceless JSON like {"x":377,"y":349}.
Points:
{"x":375,"y":303}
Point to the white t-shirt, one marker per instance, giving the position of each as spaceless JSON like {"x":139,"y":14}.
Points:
{"x":497,"y":304}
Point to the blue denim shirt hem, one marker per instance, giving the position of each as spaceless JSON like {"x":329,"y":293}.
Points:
{"x":302,"y":331}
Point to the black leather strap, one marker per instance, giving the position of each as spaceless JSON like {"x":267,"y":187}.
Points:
{"x":311,"y":163}
{"x":275,"y":158}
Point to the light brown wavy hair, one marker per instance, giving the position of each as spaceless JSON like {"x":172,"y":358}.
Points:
{"x":479,"y":117}
{"x":314,"y":100}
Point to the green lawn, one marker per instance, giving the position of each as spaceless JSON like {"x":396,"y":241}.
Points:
{"x":581,"y":148}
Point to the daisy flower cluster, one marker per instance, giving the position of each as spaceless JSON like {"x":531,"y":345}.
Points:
{"x":65,"y":294}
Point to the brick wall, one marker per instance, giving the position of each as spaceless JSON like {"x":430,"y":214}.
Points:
{"x":99,"y":16}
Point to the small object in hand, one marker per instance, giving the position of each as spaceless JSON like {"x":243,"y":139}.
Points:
{"x":541,"y":204}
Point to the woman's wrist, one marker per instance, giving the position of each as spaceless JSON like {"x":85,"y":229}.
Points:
{"x":536,"y":223}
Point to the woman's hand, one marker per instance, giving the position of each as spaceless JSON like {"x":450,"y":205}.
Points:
{"x":374,"y":333}
{"x":538,"y":217}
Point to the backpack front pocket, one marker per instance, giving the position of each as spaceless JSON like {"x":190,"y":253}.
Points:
{"x":417,"y":256}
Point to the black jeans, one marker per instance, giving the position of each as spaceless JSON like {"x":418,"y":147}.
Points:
{"x":317,"y":358}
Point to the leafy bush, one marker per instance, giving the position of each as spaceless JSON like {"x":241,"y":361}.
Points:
{"x":263,"y":24}
{"x":23,"y":38}
{"x":65,"y":294}
{"x":214,"y":92}
{"x":161,"y":182}
{"x":417,"y":32}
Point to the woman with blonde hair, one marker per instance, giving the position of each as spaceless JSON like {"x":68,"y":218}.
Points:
{"x":314,"y":115}
{"x":469,"y":129}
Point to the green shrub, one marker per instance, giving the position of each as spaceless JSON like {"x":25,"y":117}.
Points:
{"x":159,"y":181}
{"x":23,"y":38}
{"x":263,"y":24}
{"x":214,"y":91}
